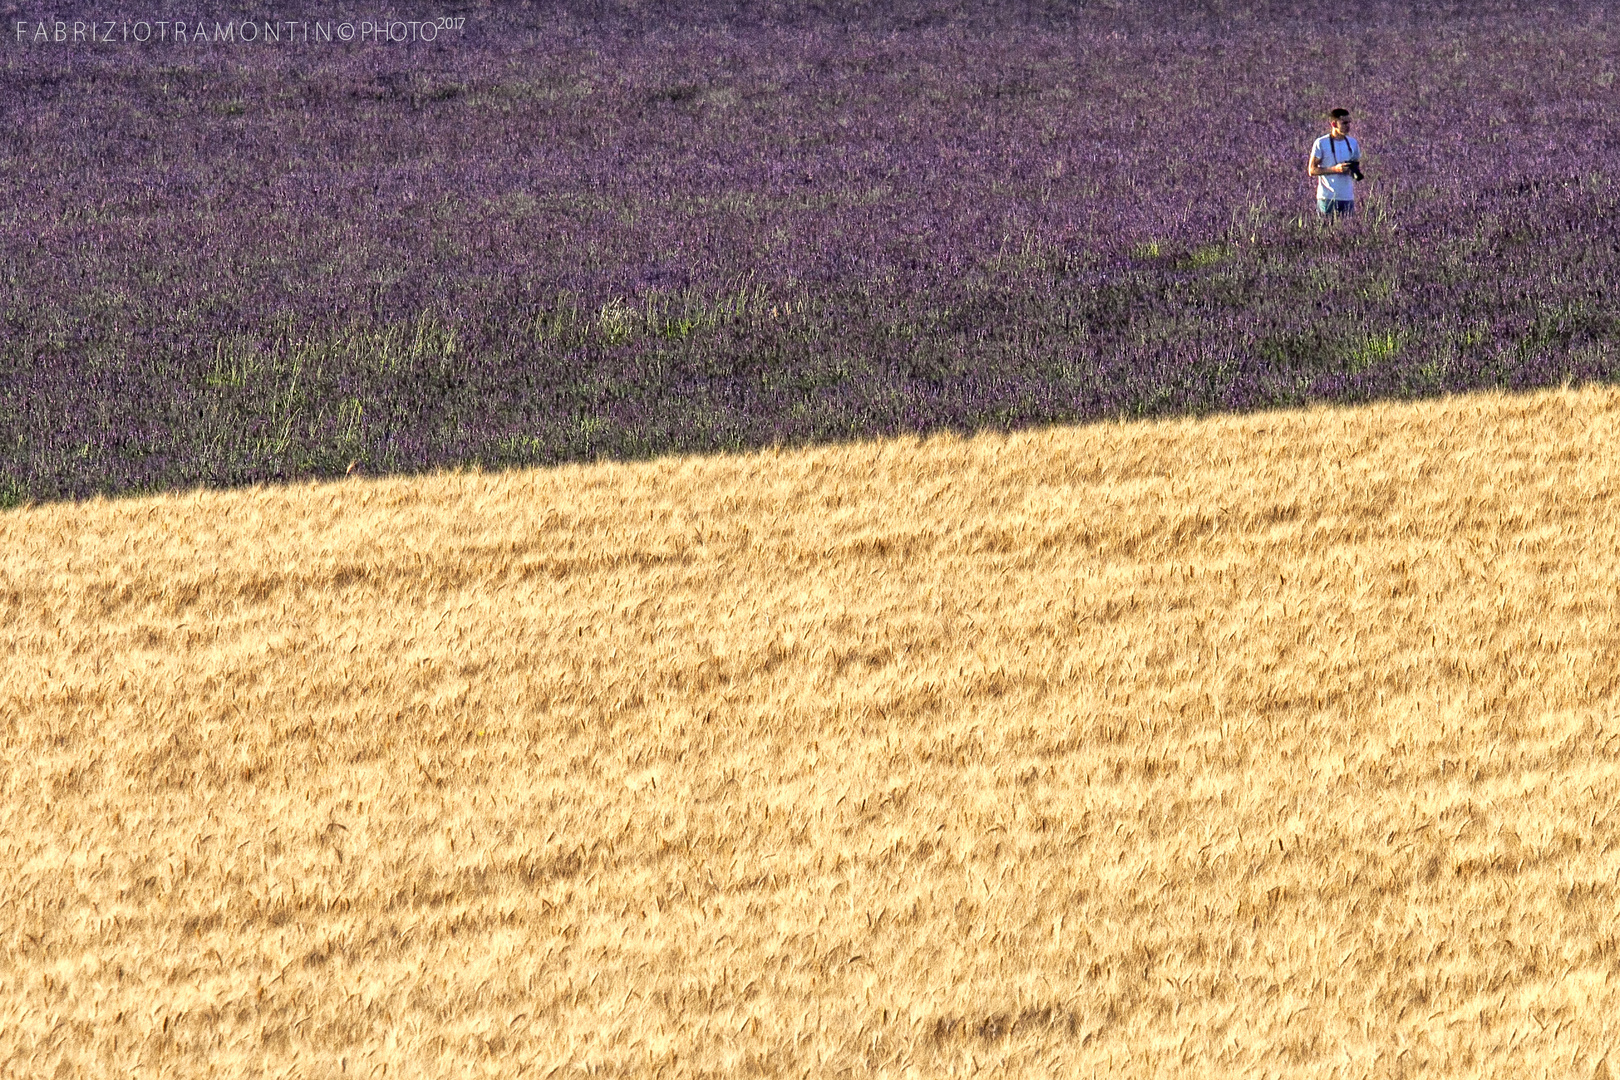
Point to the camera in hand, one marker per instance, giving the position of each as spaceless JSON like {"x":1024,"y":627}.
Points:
{"x":1355,"y":168}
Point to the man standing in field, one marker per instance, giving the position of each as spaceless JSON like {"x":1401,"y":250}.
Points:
{"x":1336,"y":164}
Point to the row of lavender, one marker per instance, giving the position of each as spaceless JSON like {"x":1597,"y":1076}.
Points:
{"x":608,"y":233}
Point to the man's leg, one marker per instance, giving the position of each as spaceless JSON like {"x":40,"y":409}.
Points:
{"x":1347,"y":207}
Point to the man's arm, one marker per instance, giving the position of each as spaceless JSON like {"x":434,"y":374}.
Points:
{"x":1314,"y":167}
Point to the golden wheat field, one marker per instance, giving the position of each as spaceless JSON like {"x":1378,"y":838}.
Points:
{"x":1280,"y":745}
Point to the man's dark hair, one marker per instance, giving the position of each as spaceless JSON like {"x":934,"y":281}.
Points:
{"x":1338,"y":114}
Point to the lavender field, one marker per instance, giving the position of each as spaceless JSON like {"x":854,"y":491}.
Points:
{"x":571,"y":232}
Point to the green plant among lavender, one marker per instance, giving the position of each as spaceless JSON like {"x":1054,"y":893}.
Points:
{"x":599,"y":232}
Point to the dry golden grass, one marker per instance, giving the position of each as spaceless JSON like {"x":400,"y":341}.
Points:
{"x":1280,"y":745}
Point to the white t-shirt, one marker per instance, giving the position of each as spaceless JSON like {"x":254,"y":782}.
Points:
{"x":1329,"y":152}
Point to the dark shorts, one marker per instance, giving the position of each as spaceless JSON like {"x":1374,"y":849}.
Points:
{"x":1329,"y":207}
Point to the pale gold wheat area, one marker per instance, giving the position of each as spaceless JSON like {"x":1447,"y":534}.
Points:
{"x":1278,"y":745}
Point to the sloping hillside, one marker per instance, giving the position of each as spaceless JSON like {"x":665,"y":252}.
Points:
{"x":1285,"y":744}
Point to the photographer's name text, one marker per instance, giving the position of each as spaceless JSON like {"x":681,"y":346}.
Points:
{"x":234,"y":31}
